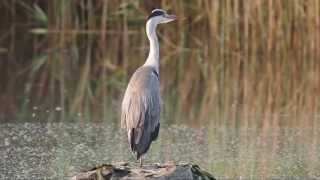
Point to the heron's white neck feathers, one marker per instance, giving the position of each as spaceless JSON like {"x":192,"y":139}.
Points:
{"x":153,"y":57}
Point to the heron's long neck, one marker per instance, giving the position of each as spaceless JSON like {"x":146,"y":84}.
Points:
{"x":153,"y":57}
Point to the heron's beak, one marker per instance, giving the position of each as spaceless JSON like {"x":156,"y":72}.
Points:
{"x":177,"y":18}
{"x":173,"y":17}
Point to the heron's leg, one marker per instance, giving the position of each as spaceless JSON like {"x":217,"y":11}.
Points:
{"x":140,"y":161}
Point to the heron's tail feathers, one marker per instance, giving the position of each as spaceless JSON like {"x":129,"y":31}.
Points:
{"x":140,"y":140}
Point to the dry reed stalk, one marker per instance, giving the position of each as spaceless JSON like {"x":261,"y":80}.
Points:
{"x":103,"y":56}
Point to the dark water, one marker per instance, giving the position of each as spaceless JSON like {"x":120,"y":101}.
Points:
{"x":58,"y":150}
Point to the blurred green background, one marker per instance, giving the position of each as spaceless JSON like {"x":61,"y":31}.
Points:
{"x":233,"y":66}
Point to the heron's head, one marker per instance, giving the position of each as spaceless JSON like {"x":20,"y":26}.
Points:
{"x":160,"y":16}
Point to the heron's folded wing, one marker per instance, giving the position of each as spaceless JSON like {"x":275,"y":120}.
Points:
{"x":141,"y":103}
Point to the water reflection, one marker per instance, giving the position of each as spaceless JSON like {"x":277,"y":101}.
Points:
{"x":34,"y":150}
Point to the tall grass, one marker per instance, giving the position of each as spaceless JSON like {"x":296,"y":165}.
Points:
{"x":229,"y":62}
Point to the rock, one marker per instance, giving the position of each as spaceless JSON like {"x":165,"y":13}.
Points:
{"x":155,"y":171}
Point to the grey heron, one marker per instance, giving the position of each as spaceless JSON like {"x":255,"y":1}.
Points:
{"x":142,"y":102}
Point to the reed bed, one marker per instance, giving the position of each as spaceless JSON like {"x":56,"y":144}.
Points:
{"x":232,"y":62}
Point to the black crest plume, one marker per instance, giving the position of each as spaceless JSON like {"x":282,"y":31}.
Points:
{"x":156,"y":13}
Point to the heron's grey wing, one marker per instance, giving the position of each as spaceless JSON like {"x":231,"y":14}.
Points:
{"x":141,"y":108}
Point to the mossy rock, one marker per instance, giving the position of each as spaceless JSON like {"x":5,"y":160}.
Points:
{"x":154,"y":171}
